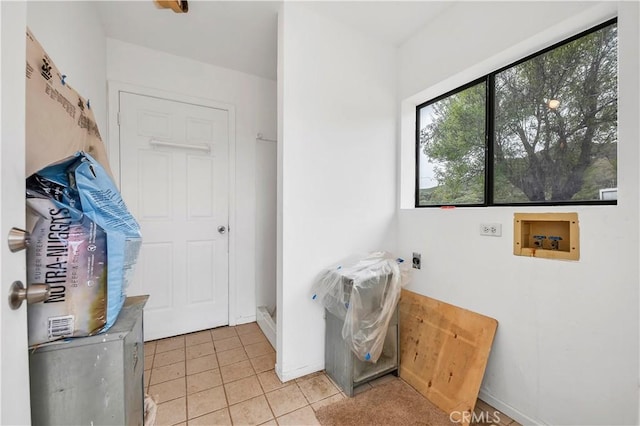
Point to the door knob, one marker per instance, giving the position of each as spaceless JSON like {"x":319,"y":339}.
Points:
{"x":18,"y":239}
{"x":222,"y":229}
{"x":32,"y":294}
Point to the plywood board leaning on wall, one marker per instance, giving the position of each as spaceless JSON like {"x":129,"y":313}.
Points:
{"x":59,"y":122}
{"x":444,"y":351}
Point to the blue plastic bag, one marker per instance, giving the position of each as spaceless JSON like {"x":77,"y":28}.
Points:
{"x":81,"y":228}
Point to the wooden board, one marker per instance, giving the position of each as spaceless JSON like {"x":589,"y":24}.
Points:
{"x":444,"y":351}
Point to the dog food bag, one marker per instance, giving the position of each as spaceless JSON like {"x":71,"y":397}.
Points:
{"x":83,"y":243}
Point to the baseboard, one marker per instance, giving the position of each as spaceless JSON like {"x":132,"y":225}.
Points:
{"x":507,"y":409}
{"x":267,"y":325}
{"x":285,"y":376}
{"x":245,"y":320}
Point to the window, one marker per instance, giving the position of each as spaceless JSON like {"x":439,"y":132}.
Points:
{"x":540,"y":131}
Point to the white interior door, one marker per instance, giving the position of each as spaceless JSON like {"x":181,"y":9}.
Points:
{"x":14,"y":359}
{"x":174,"y":178}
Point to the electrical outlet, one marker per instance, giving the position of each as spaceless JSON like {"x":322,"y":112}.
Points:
{"x":417,"y":262}
{"x":491,"y":229}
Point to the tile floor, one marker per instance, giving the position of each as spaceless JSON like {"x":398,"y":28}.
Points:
{"x":225,"y":376}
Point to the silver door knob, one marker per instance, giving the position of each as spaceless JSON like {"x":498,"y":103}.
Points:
{"x":18,"y":239}
{"x":222,"y":229}
{"x":35,"y":293}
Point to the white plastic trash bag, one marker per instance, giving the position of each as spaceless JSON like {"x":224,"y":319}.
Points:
{"x":364,"y":292}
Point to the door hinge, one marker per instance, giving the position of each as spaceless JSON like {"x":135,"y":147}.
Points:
{"x":118,"y":117}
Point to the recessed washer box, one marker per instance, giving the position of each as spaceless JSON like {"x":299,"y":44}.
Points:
{"x":546,"y":235}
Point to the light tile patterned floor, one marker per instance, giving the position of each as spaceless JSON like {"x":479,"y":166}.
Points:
{"x":225,"y":376}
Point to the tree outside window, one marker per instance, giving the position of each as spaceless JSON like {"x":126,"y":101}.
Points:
{"x":552,"y":137}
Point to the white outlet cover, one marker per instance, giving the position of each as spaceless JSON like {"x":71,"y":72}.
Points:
{"x":491,"y":229}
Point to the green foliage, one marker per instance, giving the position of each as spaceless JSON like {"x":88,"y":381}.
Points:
{"x":456,"y":140}
{"x":542,"y":152}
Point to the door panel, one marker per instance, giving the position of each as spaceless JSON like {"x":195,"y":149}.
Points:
{"x":199,"y":175}
{"x":154,"y":124}
{"x":156,"y":272}
{"x":199,"y":254}
{"x":174,"y":178}
{"x":155,"y":185}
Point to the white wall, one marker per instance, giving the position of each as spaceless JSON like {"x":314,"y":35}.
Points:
{"x":566,"y":350}
{"x":72,"y":34}
{"x":336,"y":174}
{"x":254,"y":99}
{"x":266,"y":222}
{"x":266,"y":206}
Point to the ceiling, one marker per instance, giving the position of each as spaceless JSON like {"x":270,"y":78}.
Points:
{"x":242,"y":35}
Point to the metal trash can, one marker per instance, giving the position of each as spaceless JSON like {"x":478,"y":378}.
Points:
{"x":92,"y":380}
{"x":360,"y":297}
{"x":344,"y":367}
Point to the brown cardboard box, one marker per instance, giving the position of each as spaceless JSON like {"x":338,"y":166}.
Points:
{"x":59,"y":122}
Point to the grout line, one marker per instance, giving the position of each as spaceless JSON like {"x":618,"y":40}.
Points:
{"x":186,"y":404}
{"x":273,"y":414}
{"x":304,"y":396}
{"x":226,"y":398}
{"x":261,"y":387}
